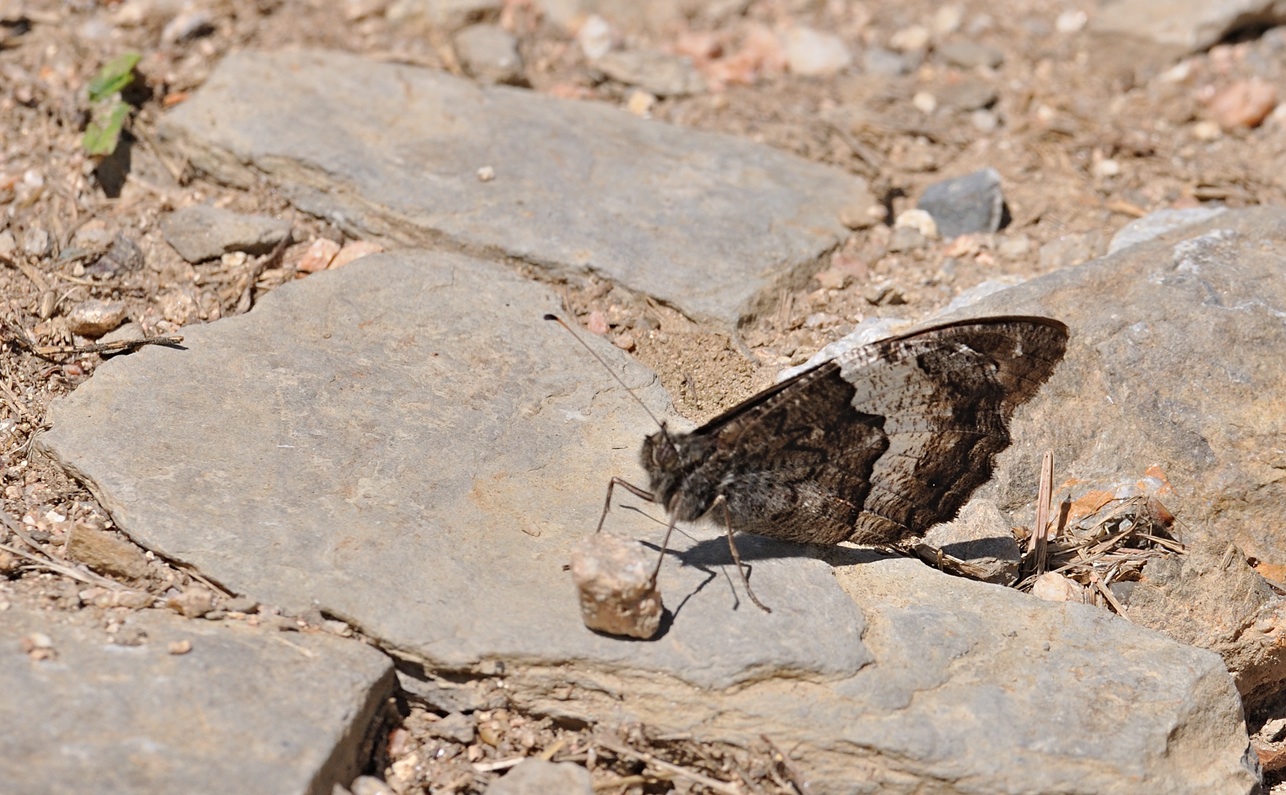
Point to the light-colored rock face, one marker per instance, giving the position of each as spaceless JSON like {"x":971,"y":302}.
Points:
{"x":1189,"y":24}
{"x":405,"y":443}
{"x":706,"y":222}
{"x":1174,"y":361}
{"x":412,"y":447}
{"x":164,"y":704}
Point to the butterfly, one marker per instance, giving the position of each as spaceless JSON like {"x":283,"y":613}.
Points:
{"x":874,"y":446}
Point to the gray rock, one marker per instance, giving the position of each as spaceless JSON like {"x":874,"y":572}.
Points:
{"x":238,"y":712}
{"x":453,"y":451}
{"x":37,"y":242}
{"x":203,"y":232}
{"x":973,"y":688}
{"x":1175,"y":355}
{"x":653,"y":71}
{"x":963,"y":205}
{"x":1208,"y":599}
{"x":455,"y":727}
{"x":1192,"y":24}
{"x":489,"y":53}
{"x":712,"y":224}
{"x":446,"y":14}
{"x":121,"y":255}
{"x":95,"y":317}
{"x":969,"y":54}
{"x":1159,"y":223}
{"x":438,"y":422}
{"x":1072,"y":249}
{"x":967,"y":95}
{"x":982,"y":536}
{"x":444,"y":696}
{"x":538,"y":777}
{"x":879,"y":61}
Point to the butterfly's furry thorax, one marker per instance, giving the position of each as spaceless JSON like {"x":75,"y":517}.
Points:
{"x":673,"y":462}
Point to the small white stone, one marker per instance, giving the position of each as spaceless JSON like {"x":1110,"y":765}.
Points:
{"x":1054,"y":587}
{"x":94,"y":318}
{"x":914,"y":37}
{"x":924,"y":102}
{"x":919,"y":220}
{"x":1107,"y":168}
{"x":640,"y":103}
{"x":983,"y":120}
{"x":1071,"y":21}
{"x":1206,"y":130}
{"x":812,"y":52}
{"x":947,"y":19}
{"x":595,"y":37}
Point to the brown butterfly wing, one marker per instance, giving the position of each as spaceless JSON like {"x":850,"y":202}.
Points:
{"x":881,"y":443}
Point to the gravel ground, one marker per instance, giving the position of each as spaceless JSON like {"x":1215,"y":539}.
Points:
{"x":1087,"y":134}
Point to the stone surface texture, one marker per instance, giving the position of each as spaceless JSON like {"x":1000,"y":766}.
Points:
{"x":709,"y":223}
{"x":974,"y":689}
{"x":538,"y":777}
{"x":1174,"y":361}
{"x":971,"y":203}
{"x":412,"y":448}
{"x":653,"y":71}
{"x":1191,"y":24}
{"x":203,"y":232}
{"x":489,"y":53}
{"x":245,"y":710}
{"x":404,"y":443}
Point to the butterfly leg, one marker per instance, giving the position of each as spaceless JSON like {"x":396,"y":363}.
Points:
{"x":632,"y":489}
{"x":665,"y":544}
{"x":736,"y":556}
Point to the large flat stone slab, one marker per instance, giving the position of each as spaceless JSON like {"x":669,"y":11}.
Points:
{"x":1174,"y":361}
{"x":974,"y":689}
{"x":244,"y":710}
{"x":407,"y":444}
{"x":709,"y":223}
{"x":404,"y":443}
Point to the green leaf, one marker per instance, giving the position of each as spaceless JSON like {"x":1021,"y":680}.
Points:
{"x":104,"y":131}
{"x":114,"y":76}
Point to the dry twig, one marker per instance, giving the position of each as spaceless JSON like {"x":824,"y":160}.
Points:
{"x":1113,"y":544}
{"x":43,"y":560}
{"x":11,"y":333}
{"x":671,"y":769}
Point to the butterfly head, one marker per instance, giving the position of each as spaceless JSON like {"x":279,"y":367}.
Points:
{"x":661,"y":458}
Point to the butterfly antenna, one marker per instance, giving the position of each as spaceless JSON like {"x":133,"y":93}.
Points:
{"x":607,"y":367}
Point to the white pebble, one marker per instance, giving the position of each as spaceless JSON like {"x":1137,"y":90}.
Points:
{"x":812,"y":52}
{"x":919,"y":220}
{"x":595,"y":37}
{"x":915,"y":37}
{"x":924,"y":102}
{"x":1107,"y":168}
{"x":1071,"y":21}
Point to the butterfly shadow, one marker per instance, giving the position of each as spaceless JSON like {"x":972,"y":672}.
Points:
{"x":712,"y":557}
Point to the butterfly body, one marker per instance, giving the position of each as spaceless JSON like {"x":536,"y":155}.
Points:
{"x":874,"y":446}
